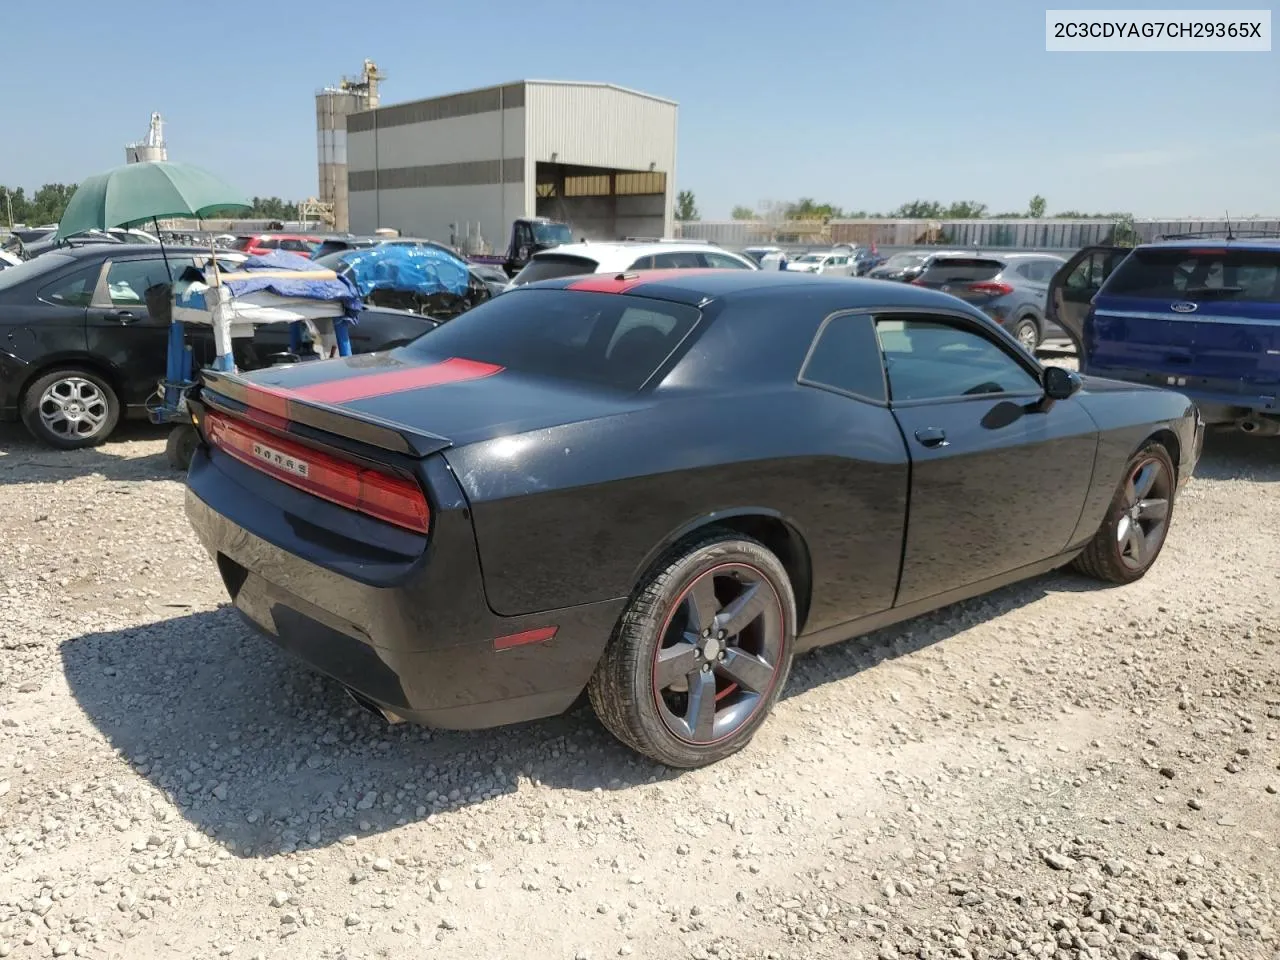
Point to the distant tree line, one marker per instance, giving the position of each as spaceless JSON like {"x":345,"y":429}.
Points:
{"x":807,"y":208}
{"x":47,"y":204}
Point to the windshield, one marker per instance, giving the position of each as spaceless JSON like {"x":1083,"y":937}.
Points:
{"x":811,"y":258}
{"x":12,"y":276}
{"x":901,"y":261}
{"x":1180,"y":273}
{"x":552,"y":233}
{"x":600,"y":339}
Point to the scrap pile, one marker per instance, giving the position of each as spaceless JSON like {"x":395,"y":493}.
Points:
{"x":273,"y":288}
{"x":425,"y":279}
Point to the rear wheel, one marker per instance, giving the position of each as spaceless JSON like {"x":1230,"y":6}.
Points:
{"x":1137,"y":524}
{"x":70,"y":408}
{"x":1027,"y":333}
{"x":701,"y":653}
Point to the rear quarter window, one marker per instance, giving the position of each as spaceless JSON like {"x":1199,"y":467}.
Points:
{"x":1198,"y":274}
{"x":555,"y":266}
{"x":597,"y":339}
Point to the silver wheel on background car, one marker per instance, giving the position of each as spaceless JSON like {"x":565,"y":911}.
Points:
{"x":74,"y":408}
{"x":1027,"y":334}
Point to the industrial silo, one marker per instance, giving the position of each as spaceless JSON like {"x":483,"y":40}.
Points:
{"x":151,"y":147}
{"x":333,"y":106}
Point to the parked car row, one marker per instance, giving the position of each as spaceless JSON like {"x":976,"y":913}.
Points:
{"x":80,"y":349}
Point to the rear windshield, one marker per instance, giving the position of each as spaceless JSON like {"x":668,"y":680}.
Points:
{"x":900,"y":261}
{"x":1198,"y":274}
{"x":600,"y":339}
{"x":553,"y":266}
{"x":961,"y":270}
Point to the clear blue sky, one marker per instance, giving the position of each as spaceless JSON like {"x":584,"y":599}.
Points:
{"x":862,"y":104}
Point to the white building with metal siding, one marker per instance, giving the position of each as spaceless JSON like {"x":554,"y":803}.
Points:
{"x":463,"y":166}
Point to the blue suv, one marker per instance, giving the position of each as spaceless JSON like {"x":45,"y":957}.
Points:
{"x":1200,"y":316}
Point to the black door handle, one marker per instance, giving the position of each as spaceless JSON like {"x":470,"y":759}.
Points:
{"x":932,"y":436}
{"x":124,"y":316}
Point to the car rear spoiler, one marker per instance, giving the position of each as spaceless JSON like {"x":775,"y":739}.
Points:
{"x":282,"y":405}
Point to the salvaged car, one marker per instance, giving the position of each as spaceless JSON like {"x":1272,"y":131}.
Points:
{"x":661,"y":487}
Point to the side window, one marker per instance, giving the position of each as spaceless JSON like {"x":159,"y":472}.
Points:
{"x":1028,"y":271}
{"x":129,"y":280}
{"x":1048,"y":269}
{"x":1081,"y":278}
{"x":682,"y":260}
{"x":721,"y":261}
{"x":644,"y":263}
{"x":75,"y":290}
{"x":846,"y":357}
{"x":933,"y":359}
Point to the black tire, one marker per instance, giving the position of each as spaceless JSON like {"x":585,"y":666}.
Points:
{"x":181,"y":446}
{"x":105,"y":407}
{"x":1027,"y":332}
{"x":623,"y":689}
{"x":1106,"y":557}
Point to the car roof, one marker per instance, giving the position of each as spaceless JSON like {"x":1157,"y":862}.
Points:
{"x":697,"y":287}
{"x":90,"y":250}
{"x":1213,"y":243}
{"x":622,"y":253}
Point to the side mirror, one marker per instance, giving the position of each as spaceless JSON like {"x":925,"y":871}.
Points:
{"x":1060,"y":383}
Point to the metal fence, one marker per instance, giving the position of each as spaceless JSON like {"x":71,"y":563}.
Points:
{"x":1056,"y":235}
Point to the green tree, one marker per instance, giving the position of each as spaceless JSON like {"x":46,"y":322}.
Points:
{"x":686,"y":206}
{"x":743,"y":213}
{"x":918,"y":210}
{"x":965,"y":210}
{"x":806,"y":208}
{"x":270,"y":208}
{"x":45,"y":206}
{"x":1036,"y":207}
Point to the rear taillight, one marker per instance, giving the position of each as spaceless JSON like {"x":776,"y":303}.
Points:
{"x":375,"y":493}
{"x":991,"y":288}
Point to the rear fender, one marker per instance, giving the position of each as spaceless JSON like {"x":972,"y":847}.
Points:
{"x":793,"y":553}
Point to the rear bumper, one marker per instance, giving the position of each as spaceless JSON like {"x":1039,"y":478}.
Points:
{"x":416,"y":641}
{"x":1216,"y":405}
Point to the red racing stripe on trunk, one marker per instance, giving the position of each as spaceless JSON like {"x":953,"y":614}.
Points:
{"x":453,"y":370}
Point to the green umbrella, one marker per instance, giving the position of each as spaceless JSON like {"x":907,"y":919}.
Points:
{"x":141,"y":192}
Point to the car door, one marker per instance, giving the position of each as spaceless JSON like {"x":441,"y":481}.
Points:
{"x":998,"y":475}
{"x":43,"y":320}
{"x":121,"y":331}
{"x":1073,"y":288}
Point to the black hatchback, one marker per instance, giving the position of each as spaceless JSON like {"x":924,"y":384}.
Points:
{"x":79,"y":351}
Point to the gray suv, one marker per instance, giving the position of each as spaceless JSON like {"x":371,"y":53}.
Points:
{"x":1010,"y":288}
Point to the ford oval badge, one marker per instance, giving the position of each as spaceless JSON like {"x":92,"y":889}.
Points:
{"x":1182,"y":306}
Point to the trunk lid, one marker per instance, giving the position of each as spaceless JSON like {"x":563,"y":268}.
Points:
{"x":414,"y":404}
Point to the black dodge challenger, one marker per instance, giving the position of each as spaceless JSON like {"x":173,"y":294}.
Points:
{"x":661,"y":487}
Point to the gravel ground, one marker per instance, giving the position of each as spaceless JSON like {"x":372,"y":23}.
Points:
{"x":1056,"y":770}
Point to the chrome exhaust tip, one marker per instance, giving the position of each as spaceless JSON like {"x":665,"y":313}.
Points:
{"x":378,"y":711}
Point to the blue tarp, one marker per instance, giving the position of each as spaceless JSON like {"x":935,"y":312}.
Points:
{"x":340,"y":288}
{"x":409,"y":269}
